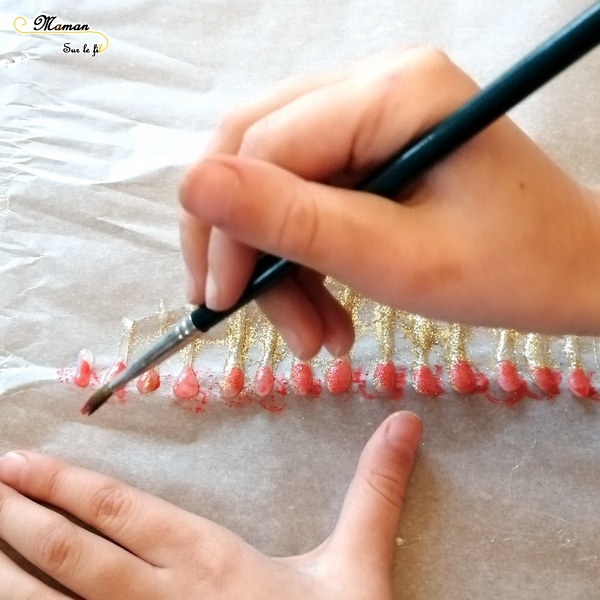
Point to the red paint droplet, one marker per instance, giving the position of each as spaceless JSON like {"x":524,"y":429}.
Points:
{"x":579,"y":383}
{"x":186,"y":384}
{"x":116,"y":369}
{"x":280,"y":386}
{"x":302,"y":379}
{"x":462,"y":377}
{"x":263,"y":381}
{"x":546,"y":380}
{"x":316,"y":389}
{"x":385,"y":377}
{"x":338,"y":378}
{"x":425,"y":382}
{"x":508,"y":376}
{"x":83,"y":373}
{"x":231,"y":383}
{"x":482,"y":383}
{"x":272,"y":405}
{"x":148,"y":382}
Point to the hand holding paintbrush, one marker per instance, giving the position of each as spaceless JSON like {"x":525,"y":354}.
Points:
{"x":496,"y":216}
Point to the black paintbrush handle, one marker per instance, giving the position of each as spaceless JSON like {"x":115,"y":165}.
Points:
{"x":550,"y":58}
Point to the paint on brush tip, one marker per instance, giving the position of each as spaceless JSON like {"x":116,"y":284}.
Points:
{"x":96,"y":401}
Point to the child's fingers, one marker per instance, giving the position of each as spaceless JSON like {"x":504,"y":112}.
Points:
{"x":233,"y":126}
{"x":358,"y":122}
{"x":284,"y":305}
{"x":326,"y":229}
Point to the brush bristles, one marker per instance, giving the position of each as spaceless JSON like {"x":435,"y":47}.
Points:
{"x":96,"y":401}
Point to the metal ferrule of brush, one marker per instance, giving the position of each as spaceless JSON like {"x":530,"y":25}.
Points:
{"x":172,"y":341}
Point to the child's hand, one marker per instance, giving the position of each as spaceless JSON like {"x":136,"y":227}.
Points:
{"x":153,"y":550}
{"x":496,"y":235}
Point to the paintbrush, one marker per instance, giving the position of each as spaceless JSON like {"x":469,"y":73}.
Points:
{"x":550,"y":58}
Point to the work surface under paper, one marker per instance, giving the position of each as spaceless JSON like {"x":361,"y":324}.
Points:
{"x":503,"y":501}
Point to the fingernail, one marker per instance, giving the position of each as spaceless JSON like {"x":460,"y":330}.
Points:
{"x":334,"y":346}
{"x":191,"y":289}
{"x":211,"y":294}
{"x":11,"y":467}
{"x":403,"y":427}
{"x":294,"y":343}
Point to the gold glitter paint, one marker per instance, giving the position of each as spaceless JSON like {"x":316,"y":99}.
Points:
{"x":237,"y":339}
{"x":572,"y":348}
{"x":384,"y":330}
{"x":126,"y":338}
{"x":422,"y":333}
{"x":271,"y":344}
{"x":537,"y":351}
{"x":507,"y":342}
{"x":454,"y":339}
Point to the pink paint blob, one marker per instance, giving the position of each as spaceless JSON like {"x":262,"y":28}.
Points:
{"x":186,"y":384}
{"x":302,"y":379}
{"x":338,"y":378}
{"x":232,"y":382}
{"x":83,"y":373}
{"x":462,"y":377}
{"x":508,"y":376}
{"x":148,"y":382}
{"x":384,"y":378}
{"x":425,"y":382}
{"x":547,"y":380}
{"x":116,"y":369}
{"x":263,"y":381}
{"x":579,"y":383}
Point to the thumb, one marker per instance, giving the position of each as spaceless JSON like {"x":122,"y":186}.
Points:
{"x":364,"y":538}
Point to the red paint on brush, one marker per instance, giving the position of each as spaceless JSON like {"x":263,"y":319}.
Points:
{"x":384,"y":379}
{"x":186,"y":385}
{"x":462,"y":377}
{"x":148,"y":382}
{"x":547,"y":380}
{"x":425,"y":382}
{"x":302,"y":379}
{"x":579,"y":383}
{"x":232,"y":382}
{"x":83,"y":373}
{"x":116,"y":369}
{"x":263,"y":381}
{"x":508,"y":377}
{"x":338,"y":378}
